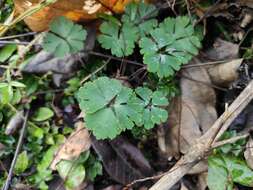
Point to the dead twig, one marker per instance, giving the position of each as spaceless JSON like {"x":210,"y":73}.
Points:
{"x":20,"y":141}
{"x":95,"y":72}
{"x":229,"y":141}
{"x":204,"y":144}
{"x":18,"y":36}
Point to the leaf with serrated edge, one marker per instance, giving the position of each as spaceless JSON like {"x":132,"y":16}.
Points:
{"x":152,"y":114}
{"x":120,"y":40}
{"x":169,"y":46}
{"x":109,"y":107}
{"x":64,"y":37}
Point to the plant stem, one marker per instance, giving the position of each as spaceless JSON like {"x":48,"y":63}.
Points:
{"x":20,"y":141}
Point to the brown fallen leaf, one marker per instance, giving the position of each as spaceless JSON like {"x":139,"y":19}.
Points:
{"x":78,"y":142}
{"x":225,"y":73}
{"x":194,"y":111}
{"x":76,"y":10}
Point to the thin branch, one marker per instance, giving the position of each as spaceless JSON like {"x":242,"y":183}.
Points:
{"x":115,"y":58}
{"x":6,"y":42}
{"x":205,"y":64}
{"x":95,"y":72}
{"x":18,"y":36}
{"x":20,"y":141}
{"x":229,"y":141}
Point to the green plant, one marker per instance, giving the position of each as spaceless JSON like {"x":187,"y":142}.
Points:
{"x":153,"y":101}
{"x":75,"y":171}
{"x":64,"y":37}
{"x":226,"y":165}
{"x":21,"y":163}
{"x":224,"y":170}
{"x":169,"y":46}
{"x":111,"y":108}
{"x":142,"y":16}
{"x":165,"y":48}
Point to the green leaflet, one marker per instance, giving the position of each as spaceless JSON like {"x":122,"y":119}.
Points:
{"x":169,"y":46}
{"x":72,"y":172}
{"x":6,"y":52}
{"x":140,"y":14}
{"x":21,"y":163}
{"x":153,"y":114}
{"x":109,"y":107}
{"x":120,"y":40}
{"x":43,"y":114}
{"x":64,"y":37}
{"x":43,"y":173}
{"x":224,"y":170}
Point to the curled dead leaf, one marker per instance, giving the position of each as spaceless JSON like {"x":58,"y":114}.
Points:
{"x":225,"y":73}
{"x":15,"y":122}
{"x":78,"y":142}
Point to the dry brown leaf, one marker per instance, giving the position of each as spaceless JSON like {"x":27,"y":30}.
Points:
{"x":15,"y":123}
{"x":192,"y":114}
{"x":225,"y":73}
{"x":248,"y":153}
{"x":76,"y":10}
{"x":78,"y":142}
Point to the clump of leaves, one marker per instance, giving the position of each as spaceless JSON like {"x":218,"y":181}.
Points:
{"x":236,"y":148}
{"x":227,"y":166}
{"x":75,"y":171}
{"x":120,"y":36}
{"x":44,"y":174}
{"x":224,"y":170}
{"x":165,"y":48}
{"x":111,"y":108}
{"x":64,"y":37}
